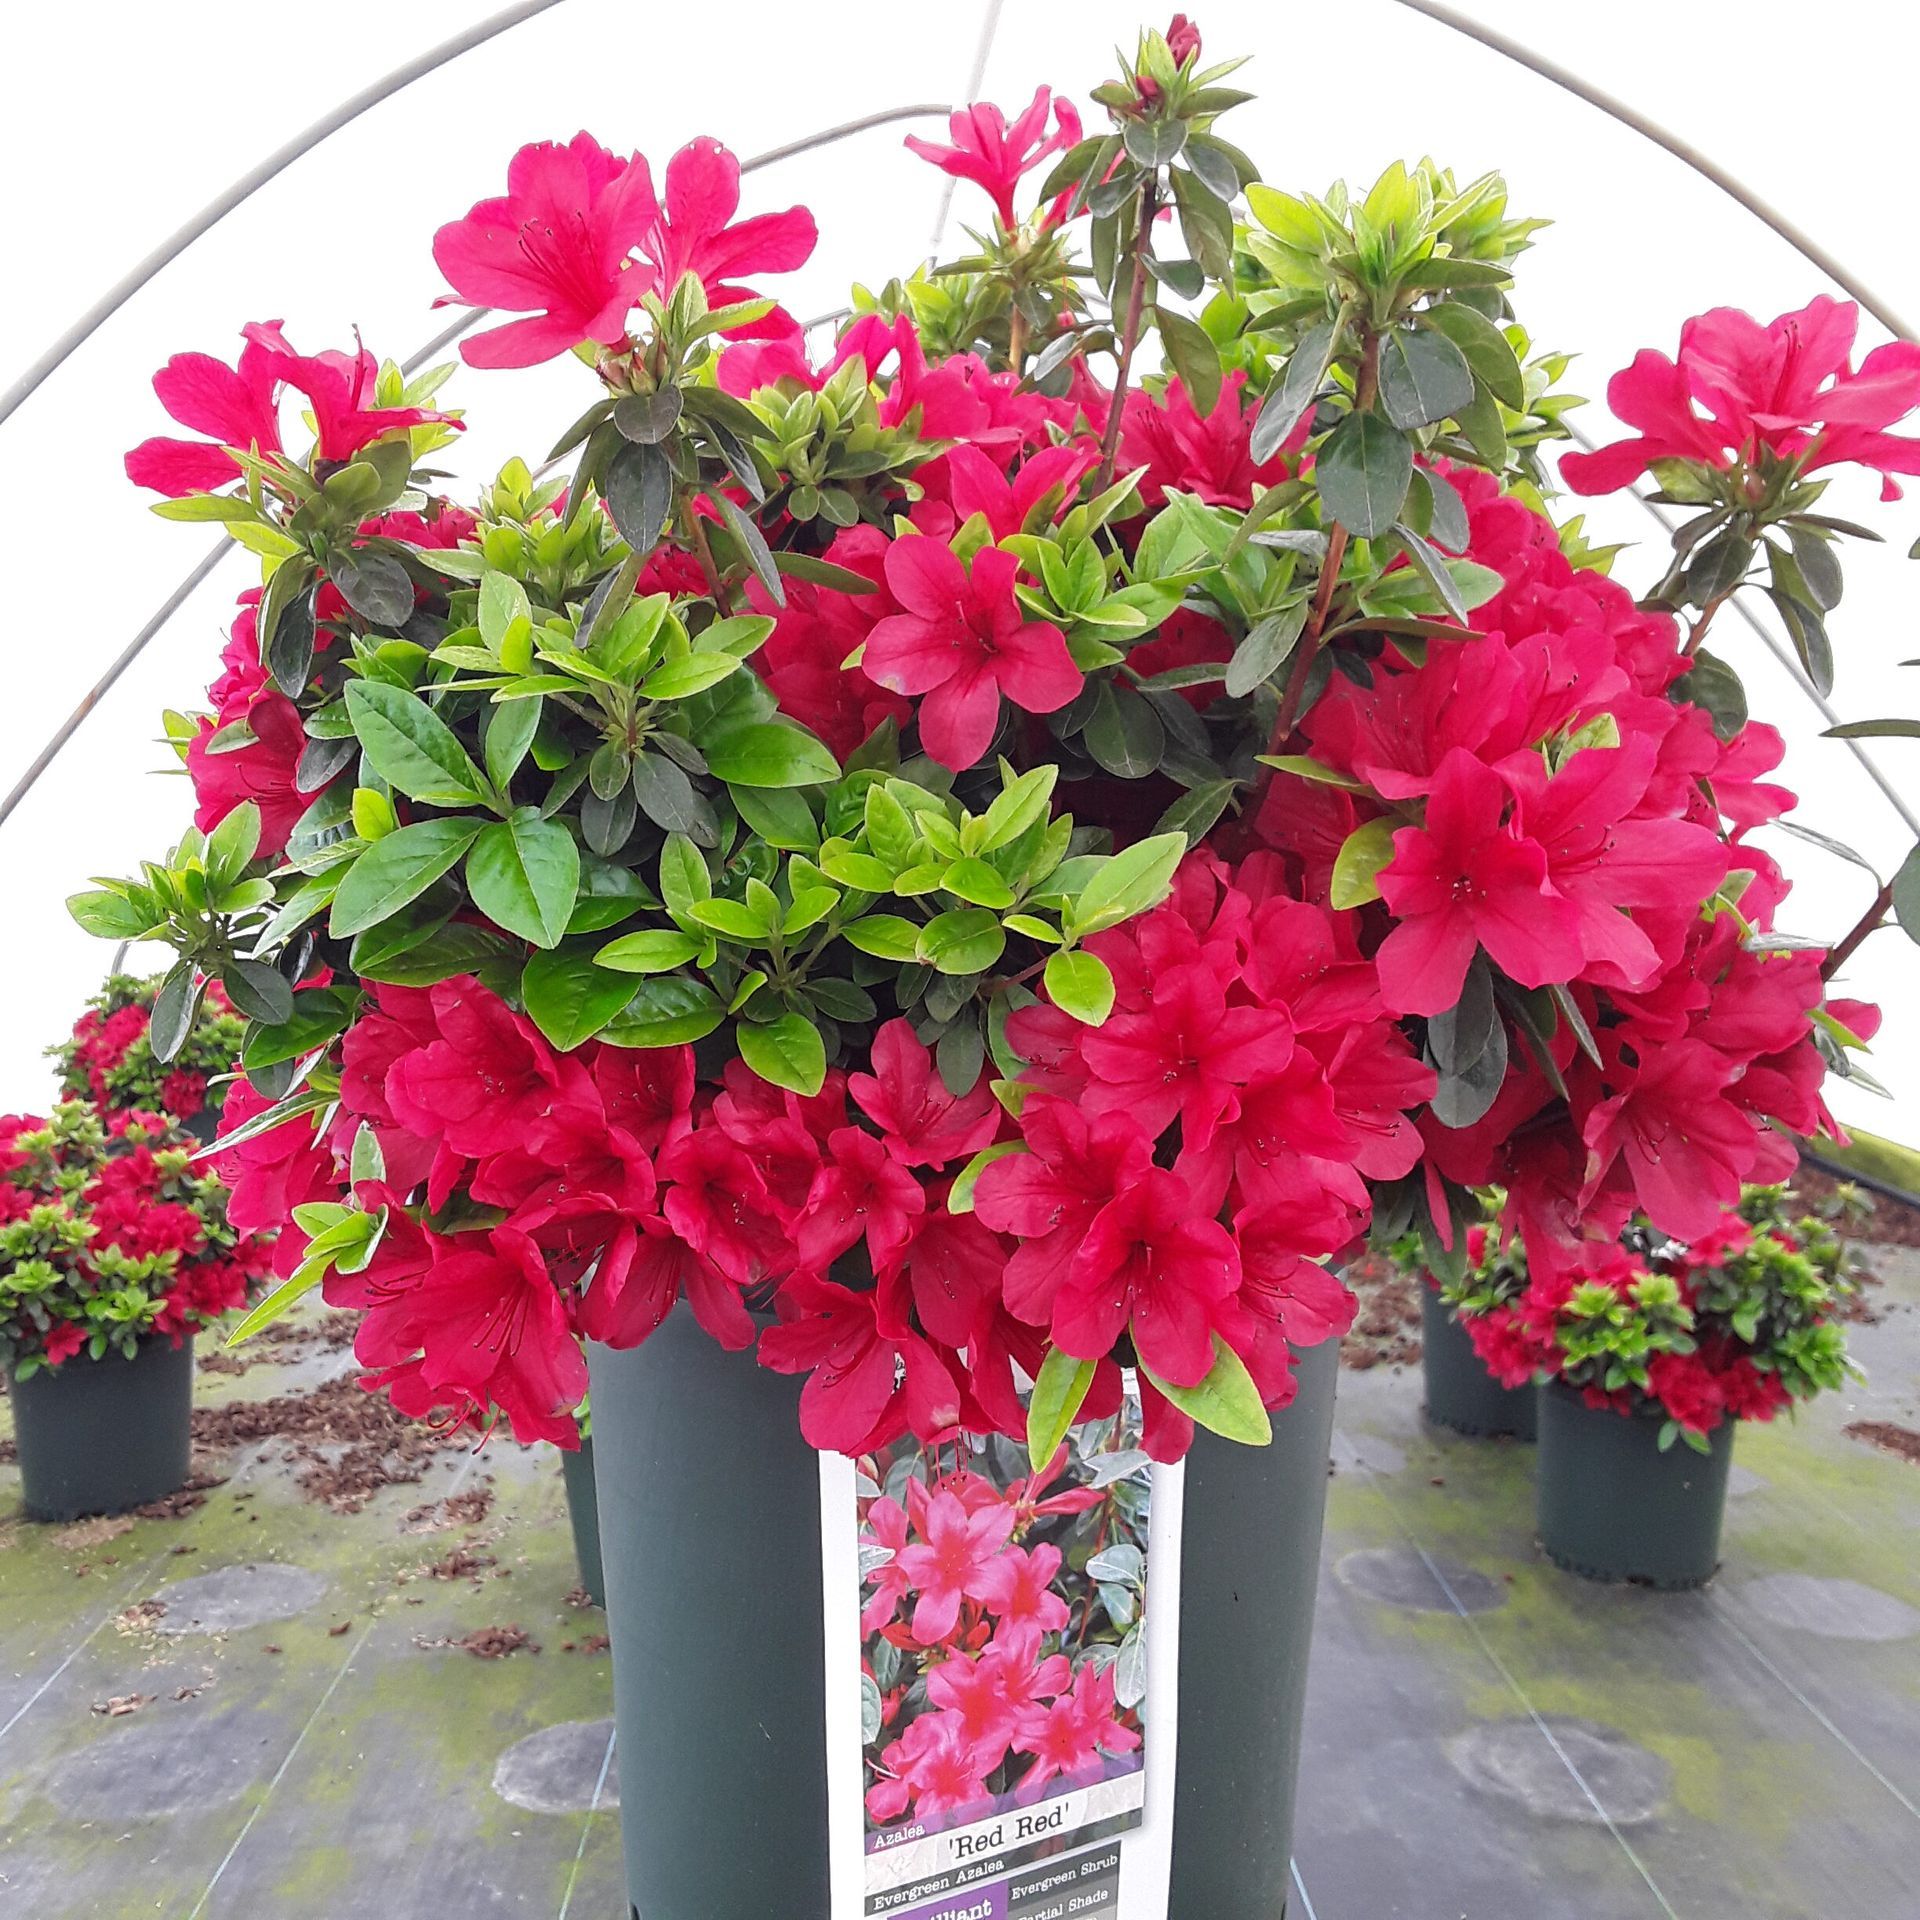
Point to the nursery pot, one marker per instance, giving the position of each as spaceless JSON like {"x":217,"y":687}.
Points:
{"x":1612,"y":1506}
{"x":1250,"y":1564}
{"x":1461,"y":1393}
{"x":710,"y":1528}
{"x":576,"y":1469}
{"x":99,"y":1436}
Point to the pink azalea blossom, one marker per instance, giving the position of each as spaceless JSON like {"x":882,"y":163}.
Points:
{"x":997,"y":156}
{"x":951,"y":1561}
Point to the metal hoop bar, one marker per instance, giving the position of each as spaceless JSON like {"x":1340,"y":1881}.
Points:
{"x":469,"y":319}
{"x":1795,"y":237}
{"x":277,"y":162}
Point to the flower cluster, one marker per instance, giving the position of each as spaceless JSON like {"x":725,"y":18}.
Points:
{"x":992,"y":1667}
{"x":108,"y":1237}
{"x":1737,"y":1323}
{"x":964,"y":861}
{"x":109,"y":1059}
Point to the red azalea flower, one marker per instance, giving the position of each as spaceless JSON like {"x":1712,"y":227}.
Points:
{"x":996,"y":156}
{"x":952,"y":1268}
{"x":694,"y":231}
{"x":488,"y":1077}
{"x":64,"y":1339}
{"x":937,"y":1766}
{"x":950,"y":1562}
{"x":491,"y":1323}
{"x":648,"y":1091}
{"x":339,"y":388}
{"x":1068,"y":1738}
{"x":1152,"y":1266}
{"x":643,"y":1271}
{"x":1017,"y":1589}
{"x":1048,"y":1196}
{"x":555,"y":247}
{"x":922,"y":1122}
{"x":274,"y":1172}
{"x":992,"y":1692}
{"x":1737,"y":387}
{"x":1207,"y":455}
{"x":886,"y":1526}
{"x":719,"y":1205}
{"x":1183,"y":39}
{"x":1185,"y":1055}
{"x":1463,"y":881}
{"x":861,"y":1192}
{"x":963,"y":642}
{"x":870,"y":1375}
{"x":1044,"y":487}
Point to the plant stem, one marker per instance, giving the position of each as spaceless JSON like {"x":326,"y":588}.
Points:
{"x":1016,"y":340}
{"x":1698,"y":631}
{"x":1366,"y":386}
{"x":1866,"y":924}
{"x":722,"y":596}
{"x":1129,"y":331}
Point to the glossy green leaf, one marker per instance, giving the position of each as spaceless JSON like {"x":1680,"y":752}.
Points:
{"x":410,"y":747}
{"x":396,"y":869}
{"x":1058,"y":1395}
{"x":1363,"y":472}
{"x":570,"y":998}
{"x":524,"y":875}
{"x":770,"y":754}
{"x":788,"y":1052}
{"x":1226,"y":1402}
{"x":1362,"y":854}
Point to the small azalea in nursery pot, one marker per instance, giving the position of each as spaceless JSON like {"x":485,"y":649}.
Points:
{"x":932,"y":875}
{"x":110,"y":1057}
{"x":114,"y":1252}
{"x":1653,"y":1351}
{"x":1457,"y":1315}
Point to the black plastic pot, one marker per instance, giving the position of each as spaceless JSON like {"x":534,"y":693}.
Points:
{"x":1612,"y":1506}
{"x":1461,"y":1393}
{"x":576,"y":1469}
{"x":100,"y":1436}
{"x":710,"y":1529}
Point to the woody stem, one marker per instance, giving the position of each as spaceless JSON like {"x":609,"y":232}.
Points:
{"x":1865,"y":925}
{"x":1129,"y":331}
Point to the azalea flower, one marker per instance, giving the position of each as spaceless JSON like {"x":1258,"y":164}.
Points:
{"x":1069,"y":1738}
{"x":963,"y":641}
{"x":1466,"y":880}
{"x":950,"y":1562}
{"x":1017,"y":1589}
{"x":718,"y":1204}
{"x":556,"y":246}
{"x":938,"y":1769}
{"x":993,"y":1693}
{"x":1739,"y":388}
{"x":1153,"y":1266}
{"x":861,"y":1192}
{"x":996,"y":156}
{"x":923,"y":1123}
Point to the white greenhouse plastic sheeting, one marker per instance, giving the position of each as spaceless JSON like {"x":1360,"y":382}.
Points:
{"x":118,"y":122}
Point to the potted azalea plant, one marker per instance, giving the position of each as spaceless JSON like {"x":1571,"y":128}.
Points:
{"x":1653,"y":1351}
{"x":109,"y":1057}
{"x":921,"y":877}
{"x":1461,"y":1316}
{"x":114,"y":1252}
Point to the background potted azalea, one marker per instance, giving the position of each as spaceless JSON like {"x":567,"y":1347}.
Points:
{"x":956,"y":864}
{"x":1653,"y":1351}
{"x":109,"y":1058}
{"x":1463,"y":1318}
{"x":114,"y":1252}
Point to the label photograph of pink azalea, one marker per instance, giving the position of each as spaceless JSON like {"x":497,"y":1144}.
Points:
{"x":1003,"y":1653}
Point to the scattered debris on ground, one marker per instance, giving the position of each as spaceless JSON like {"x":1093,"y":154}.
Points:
{"x":349,"y":1443}
{"x":92,"y":1533}
{"x":465,"y":1562}
{"x":184,"y":1500}
{"x":142,"y":1617}
{"x":466,"y":1509}
{"x":121,"y":1705}
{"x":593,"y":1643}
{"x":1902,"y":1442}
{"x":1386,"y":1328}
{"x":484,"y":1643}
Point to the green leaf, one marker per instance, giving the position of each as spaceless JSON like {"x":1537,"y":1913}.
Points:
{"x":787,"y":1052}
{"x":396,"y":869}
{"x":1363,"y":472}
{"x":1485,"y":349}
{"x":1265,"y":649}
{"x":884,"y":935}
{"x":974,"y":881}
{"x":1124,"y":734}
{"x":1906,"y":895}
{"x":279,"y":1303}
{"x":759,"y":558}
{"x":1424,"y":378}
{"x":780,"y":816}
{"x":173,"y":1009}
{"x":652,"y":950}
{"x":960,"y":1194}
{"x":319,"y":1013}
{"x":524,"y":874}
{"x":648,"y":417}
{"x":692,"y":673}
{"x":967,"y":940}
{"x":109,"y":916}
{"x":639,"y":494}
{"x":665,"y":1013}
{"x":375,"y":585}
{"x":1080,"y":985}
{"x":446,"y":952}
{"x":667,"y":797}
{"x":1128,"y":883}
{"x":1194,"y":356}
{"x":769,"y":754}
{"x":1281,"y":410}
{"x":683,"y":874}
{"x":570,"y":998}
{"x":1226,"y":1402}
{"x":1362,"y":854}
{"x":410,"y":747}
{"x":232,"y":844}
{"x":257,"y":991}
{"x":510,"y":731}
{"x":1058,"y":1394}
